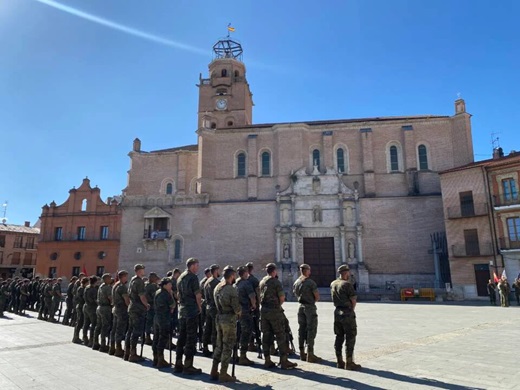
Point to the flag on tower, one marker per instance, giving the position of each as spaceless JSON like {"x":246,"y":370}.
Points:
{"x":230,"y":28}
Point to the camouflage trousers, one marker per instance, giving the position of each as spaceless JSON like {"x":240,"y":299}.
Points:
{"x":47,"y":307}
{"x":150,"y":314}
{"x":68,"y":312}
{"x":54,"y":307}
{"x":345,"y":329}
{"x":136,"y":324}
{"x":103,"y":322}
{"x":308,"y":325}
{"x":119,"y":325}
{"x":187,"y":341}
{"x":226,"y":340}
{"x":161,"y":333}
{"x":89,"y":320}
{"x":273,"y":325}
{"x":246,"y":331}
{"x":80,"y":319}
{"x":210,"y":330}
{"x":504,"y":299}
{"x":23,"y":303}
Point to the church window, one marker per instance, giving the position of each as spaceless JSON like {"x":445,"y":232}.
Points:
{"x":177,"y":249}
{"x":169,"y":189}
{"x":241,"y":165}
{"x":394,"y":159}
{"x":213,"y":125}
{"x":221,"y":91}
{"x":224,"y":73}
{"x":316,"y":158}
{"x":84,"y":205}
{"x":266,"y":164}
{"x":423,"y":157}
{"x":230,"y":123}
{"x":340,"y":160}
{"x":236,"y":73}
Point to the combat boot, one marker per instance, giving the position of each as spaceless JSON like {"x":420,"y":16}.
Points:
{"x":243,"y":360}
{"x":126,"y":356}
{"x":161,"y":362}
{"x":312,"y":358}
{"x":179,"y":367}
{"x":205,"y":351}
{"x":119,"y":350}
{"x":155,"y":359}
{"x":96,"y":346}
{"x":351,"y":366}
{"x":148,"y":340}
{"x":104,"y":347}
{"x":273,"y":351}
{"x":189,"y":369}
{"x":214,"y":370}
{"x":251,"y":347}
{"x":224,"y":376}
{"x":268,"y":363}
{"x":303,"y":355}
{"x":134,"y":357}
{"x":77,"y":340}
{"x":340,"y":363}
{"x":112,"y":349}
{"x":90,"y":343}
{"x":85,"y":340}
{"x":285,"y":364}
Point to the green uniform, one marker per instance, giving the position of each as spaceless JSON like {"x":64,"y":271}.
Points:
{"x":89,"y":312}
{"x":136,"y":312}
{"x":164,"y":305}
{"x":517,"y":291}
{"x":504,"y":289}
{"x":3,"y":298}
{"x":210,"y":329}
{"x":226,"y":300}
{"x":103,"y":313}
{"x":24,"y":295}
{"x":150,"y":290}
{"x":120,"y":312}
{"x":70,"y":303}
{"x":188,"y":287}
{"x":79,"y":298}
{"x":245,"y":292}
{"x":272,"y":317}
{"x":345,"y":327}
{"x":47,"y":294}
{"x":56,"y":299}
{"x":304,"y":289}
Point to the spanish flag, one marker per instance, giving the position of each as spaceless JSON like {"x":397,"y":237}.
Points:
{"x":230,"y":29}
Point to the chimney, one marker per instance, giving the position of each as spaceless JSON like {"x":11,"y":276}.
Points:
{"x":27,"y":224}
{"x":498,"y":153}
{"x":137,"y":145}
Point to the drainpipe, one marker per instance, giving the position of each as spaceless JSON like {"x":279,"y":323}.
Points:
{"x":491,"y":218}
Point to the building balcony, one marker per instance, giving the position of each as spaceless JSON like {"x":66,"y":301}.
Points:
{"x":462,"y":250}
{"x":510,"y":201}
{"x":508,"y":244}
{"x":156,"y":234}
{"x":468,"y":211}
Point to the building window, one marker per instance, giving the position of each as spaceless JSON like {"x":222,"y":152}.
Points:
{"x":100,"y":271}
{"x":2,"y":241}
{"x":510,"y":191}
{"x":18,"y":240}
{"x":423,"y":157}
{"x":81,"y":233}
{"x":75,"y":271}
{"x":471,"y":242}
{"x":241,"y":165}
{"x":27,"y":260}
{"x":513,"y":228}
{"x":340,"y":160}
{"x":84,"y":205}
{"x":177,"y":249}
{"x":237,"y":73}
{"x":169,"y":189}
{"x":29,"y":243}
{"x":230,"y":123}
{"x":394,"y":159}
{"x":54,"y":256}
{"x":223,"y":73}
{"x":104,"y":233}
{"x":157,"y":228}
{"x":58,"y":234}
{"x":52,"y":272}
{"x":77,"y":255}
{"x":213,"y":125}
{"x":15,"y":260}
{"x":1,"y":257}
{"x":467,"y":207}
{"x":266,"y":164}
{"x":316,"y":158}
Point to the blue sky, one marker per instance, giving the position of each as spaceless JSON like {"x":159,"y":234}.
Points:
{"x":74,"y":93}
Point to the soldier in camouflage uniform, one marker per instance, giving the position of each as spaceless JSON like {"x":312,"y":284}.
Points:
{"x":69,"y":301}
{"x":56,"y":299}
{"x":79,"y":298}
{"x":228,"y":310}
{"x":504,"y":290}
{"x":189,"y":309}
{"x":247,"y":299}
{"x":136,"y":314}
{"x":24,"y":295}
{"x":306,"y":291}
{"x":103,"y":314}
{"x":47,"y":298}
{"x":121,"y":302}
{"x":164,"y":305}
{"x":345,"y":327}
{"x":256,"y":313}
{"x":272,"y":297}
{"x":89,"y":311}
{"x":3,"y":297}
{"x":150,"y":288}
{"x":202,"y":317}
{"x":210,"y":329}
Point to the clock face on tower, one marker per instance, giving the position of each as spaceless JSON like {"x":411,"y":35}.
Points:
{"x":221,"y":104}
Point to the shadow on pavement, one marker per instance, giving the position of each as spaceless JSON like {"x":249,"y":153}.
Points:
{"x":417,"y":381}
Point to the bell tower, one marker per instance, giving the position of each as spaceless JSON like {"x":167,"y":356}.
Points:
{"x":225,"y":100}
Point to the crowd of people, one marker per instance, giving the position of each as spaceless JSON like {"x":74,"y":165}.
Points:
{"x":235,"y":313}
{"x":504,"y":290}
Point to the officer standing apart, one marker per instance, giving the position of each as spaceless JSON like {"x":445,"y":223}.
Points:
{"x":136,"y":314}
{"x":272,"y":297}
{"x":189,"y":309}
{"x":247,"y":299}
{"x":228,"y":308}
{"x":306,"y":291}
{"x":345,"y":327}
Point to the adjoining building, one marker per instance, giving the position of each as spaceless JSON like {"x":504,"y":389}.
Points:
{"x":482,"y":212}
{"x":81,"y":235}
{"x":18,"y":245}
{"x":364,"y":192}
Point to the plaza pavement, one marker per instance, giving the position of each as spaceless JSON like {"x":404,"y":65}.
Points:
{"x":400,"y":345}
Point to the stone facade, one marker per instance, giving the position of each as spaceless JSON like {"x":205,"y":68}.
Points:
{"x":18,"y":245}
{"x":360,"y":191}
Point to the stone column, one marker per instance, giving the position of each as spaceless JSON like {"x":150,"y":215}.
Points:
{"x":278,"y":244}
{"x":342,"y":244}
{"x":278,"y":211}
{"x":293,"y":244}
{"x":359,"y":234}
{"x":293,"y":209}
{"x":252,"y":167}
{"x":341,"y":211}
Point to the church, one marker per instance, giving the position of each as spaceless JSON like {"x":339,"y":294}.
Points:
{"x":363,"y":192}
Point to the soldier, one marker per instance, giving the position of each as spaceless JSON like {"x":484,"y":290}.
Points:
{"x":89,"y":311}
{"x":345,"y":327}
{"x":24,"y":295}
{"x":48,"y":294}
{"x":56,"y":298}
{"x":247,"y":299}
{"x":35,"y":284}
{"x":504,"y":289}
{"x":121,"y":301}
{"x":189,"y":310}
{"x":517,"y":290}
{"x":136,"y":314}
{"x":272,"y":298}
{"x":491,"y":289}
{"x":69,"y":301}
{"x":150,"y":289}
{"x":256,"y":313}
{"x":164,"y":305}
{"x":3,"y":297}
{"x":210,"y":330}
{"x":74,"y":314}
{"x":79,"y":298}
{"x":306,"y":291}
{"x":103,"y":314}
{"x":202,"y":319}
{"x":41,"y":293}
{"x":228,"y":308}
{"x":175,"y":316}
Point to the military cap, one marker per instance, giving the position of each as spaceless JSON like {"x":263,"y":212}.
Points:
{"x":270,"y":267}
{"x":249,"y":264}
{"x":206,"y":270}
{"x":214,"y":267}
{"x":176,"y":270}
{"x":305,"y":266}
{"x":343,"y":268}
{"x":164,"y":282}
{"x":106,"y":275}
{"x":242,"y":269}
{"x":122,"y":273}
{"x":191,"y":261}
{"x":228,"y":270}
{"x":152,"y":275}
{"x":137,"y":267}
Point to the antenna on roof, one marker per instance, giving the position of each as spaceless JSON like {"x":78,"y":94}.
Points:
{"x":4,"y":219}
{"x":495,"y":141}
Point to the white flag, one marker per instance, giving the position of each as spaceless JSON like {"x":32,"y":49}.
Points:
{"x":504,"y":276}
